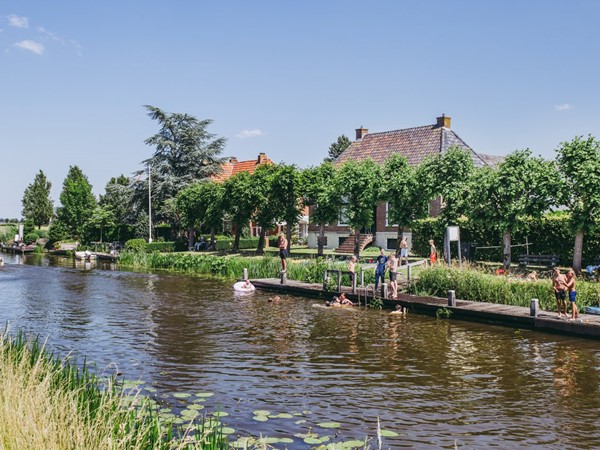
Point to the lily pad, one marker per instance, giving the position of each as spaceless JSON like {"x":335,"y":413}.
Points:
{"x":268,"y":440}
{"x":227,"y":430}
{"x":281,"y":416}
{"x":286,"y":441}
{"x":220,"y":414}
{"x":312,"y":441}
{"x":388,"y":433}
{"x":300,"y":422}
{"x":195,"y":406}
{"x":353,"y":443}
{"x":181,"y":395}
{"x":329,"y":424}
{"x":261,"y":412}
{"x":164,"y":410}
{"x":189,"y":413}
{"x":243,"y":442}
{"x":205,"y":394}
{"x":260,"y":418}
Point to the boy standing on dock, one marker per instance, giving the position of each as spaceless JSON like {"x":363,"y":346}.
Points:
{"x":282,"y":244}
{"x":559,"y":285}
{"x":571,"y":280}
{"x":393,"y":265}
{"x":380,"y":269}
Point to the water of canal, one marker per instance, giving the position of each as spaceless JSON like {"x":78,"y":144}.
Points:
{"x":434,"y":382}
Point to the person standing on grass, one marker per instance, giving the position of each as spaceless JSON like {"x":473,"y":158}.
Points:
{"x":380,"y":269}
{"x":403,"y":250}
{"x":432,"y":252}
{"x":559,"y":285}
{"x":282,"y":244}
{"x":571,"y":280}
{"x":393,"y":266}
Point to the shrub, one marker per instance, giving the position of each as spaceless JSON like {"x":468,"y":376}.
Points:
{"x":31,"y":237}
{"x":136,"y":245}
{"x":159,"y":246}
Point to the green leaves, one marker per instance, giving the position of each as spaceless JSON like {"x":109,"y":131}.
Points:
{"x":37,"y":205}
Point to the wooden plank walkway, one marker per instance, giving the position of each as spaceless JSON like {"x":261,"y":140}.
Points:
{"x":588,"y":326}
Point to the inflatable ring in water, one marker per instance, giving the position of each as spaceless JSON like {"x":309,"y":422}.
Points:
{"x":241,"y":286}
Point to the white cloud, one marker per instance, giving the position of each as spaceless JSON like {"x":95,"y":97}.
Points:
{"x":563,"y":107}
{"x":51,"y":35}
{"x":18,"y":21}
{"x":249,"y":133}
{"x":32,"y":46}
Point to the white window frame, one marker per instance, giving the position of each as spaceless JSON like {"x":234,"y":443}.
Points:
{"x":387,"y":223}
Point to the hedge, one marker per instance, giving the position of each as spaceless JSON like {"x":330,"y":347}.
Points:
{"x":550,"y":235}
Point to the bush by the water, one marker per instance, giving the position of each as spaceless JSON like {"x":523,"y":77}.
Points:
{"x":471,"y":284}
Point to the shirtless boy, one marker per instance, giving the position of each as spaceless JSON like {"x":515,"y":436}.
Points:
{"x":559,"y":285}
{"x":571,"y":280}
{"x":393,"y":266}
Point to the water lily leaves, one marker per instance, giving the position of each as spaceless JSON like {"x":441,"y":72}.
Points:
{"x":205,"y":394}
{"x":267,"y":440}
{"x":300,"y":422}
{"x":227,"y":430}
{"x":164,"y":410}
{"x":189,"y":414}
{"x":195,"y":406}
{"x":329,"y":425}
{"x":260,"y":418}
{"x":243,"y":442}
{"x":130,"y":384}
{"x":388,"y":433}
{"x":220,"y":414}
{"x":261,"y":412}
{"x":281,"y":416}
{"x":181,"y":395}
{"x":312,"y":441}
{"x":286,"y":441}
{"x":353,"y":443}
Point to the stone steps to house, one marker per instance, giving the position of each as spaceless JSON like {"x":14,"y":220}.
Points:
{"x":348,"y":245}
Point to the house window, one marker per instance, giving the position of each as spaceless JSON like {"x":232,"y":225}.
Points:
{"x":341,"y":240}
{"x":392,"y":244}
{"x":387,"y":222}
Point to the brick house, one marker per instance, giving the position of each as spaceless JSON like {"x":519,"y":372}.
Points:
{"x":415,"y":144}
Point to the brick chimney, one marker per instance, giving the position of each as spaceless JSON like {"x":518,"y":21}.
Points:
{"x":361,"y":133}
{"x":443,"y":122}
{"x":233,"y":160}
{"x":262,"y":158}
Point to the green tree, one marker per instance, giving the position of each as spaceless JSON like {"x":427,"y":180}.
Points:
{"x":185,"y":152}
{"x":523,"y":186}
{"x":37,"y":205}
{"x":319,"y":192}
{"x":101,"y":218}
{"x":579,"y":164}
{"x":405,"y":191}
{"x":78,"y":202}
{"x":201,"y":205}
{"x":119,"y":198}
{"x":337,"y":148}
{"x":286,"y":190}
{"x":239,"y":202}
{"x":268,"y":201}
{"x":449,"y":177}
{"x":359,"y":185}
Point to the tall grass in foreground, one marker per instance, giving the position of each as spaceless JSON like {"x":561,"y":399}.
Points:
{"x":471,"y":284}
{"x":231,"y":267}
{"x":47,"y":403}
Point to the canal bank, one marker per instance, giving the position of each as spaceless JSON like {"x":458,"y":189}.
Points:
{"x":588,"y":326}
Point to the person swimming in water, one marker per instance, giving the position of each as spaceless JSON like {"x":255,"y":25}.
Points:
{"x":340,"y":301}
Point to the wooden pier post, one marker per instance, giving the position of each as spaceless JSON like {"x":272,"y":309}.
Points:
{"x":408,"y":273}
{"x":353,"y":275}
{"x":339,"y":281}
{"x":451,"y":298}
{"x":534,"y":308}
{"x":384,"y":290}
{"x":362,"y":277}
{"x":245,"y":276}
{"x":325,"y":280}
{"x":283,"y":275}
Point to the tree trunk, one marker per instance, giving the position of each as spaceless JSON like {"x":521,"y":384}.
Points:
{"x":446,"y":249}
{"x":212,"y":237}
{"x":288,"y":236}
{"x":261,"y":241}
{"x":357,"y":242}
{"x":399,"y":237}
{"x":236,"y":241}
{"x":190,"y":237}
{"x":506,"y":240}
{"x":577,"y":251}
{"x":320,"y":240}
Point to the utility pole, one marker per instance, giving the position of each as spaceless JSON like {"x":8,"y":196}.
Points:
{"x":149,"y":202}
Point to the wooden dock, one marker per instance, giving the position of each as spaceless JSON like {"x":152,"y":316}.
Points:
{"x":588,"y":326}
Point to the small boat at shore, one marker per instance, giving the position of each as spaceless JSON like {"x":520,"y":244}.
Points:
{"x":85,"y":256}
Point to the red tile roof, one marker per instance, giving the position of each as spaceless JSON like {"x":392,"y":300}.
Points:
{"x":234,"y":166}
{"x":415,"y":144}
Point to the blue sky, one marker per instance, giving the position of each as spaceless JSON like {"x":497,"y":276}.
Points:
{"x":285,"y":77}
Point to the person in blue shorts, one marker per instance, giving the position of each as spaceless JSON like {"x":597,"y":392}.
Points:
{"x":380,"y":269}
{"x":571,"y":280}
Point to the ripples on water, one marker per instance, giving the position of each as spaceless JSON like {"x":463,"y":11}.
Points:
{"x":436,"y":382}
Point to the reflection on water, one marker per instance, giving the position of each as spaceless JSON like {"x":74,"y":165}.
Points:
{"x":435,"y":382}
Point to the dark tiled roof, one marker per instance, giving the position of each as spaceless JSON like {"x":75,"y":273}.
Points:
{"x":415,"y":144}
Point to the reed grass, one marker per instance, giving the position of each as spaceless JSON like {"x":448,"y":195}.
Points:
{"x":231,"y":267}
{"x":48,"y":403}
{"x":475,"y":285}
